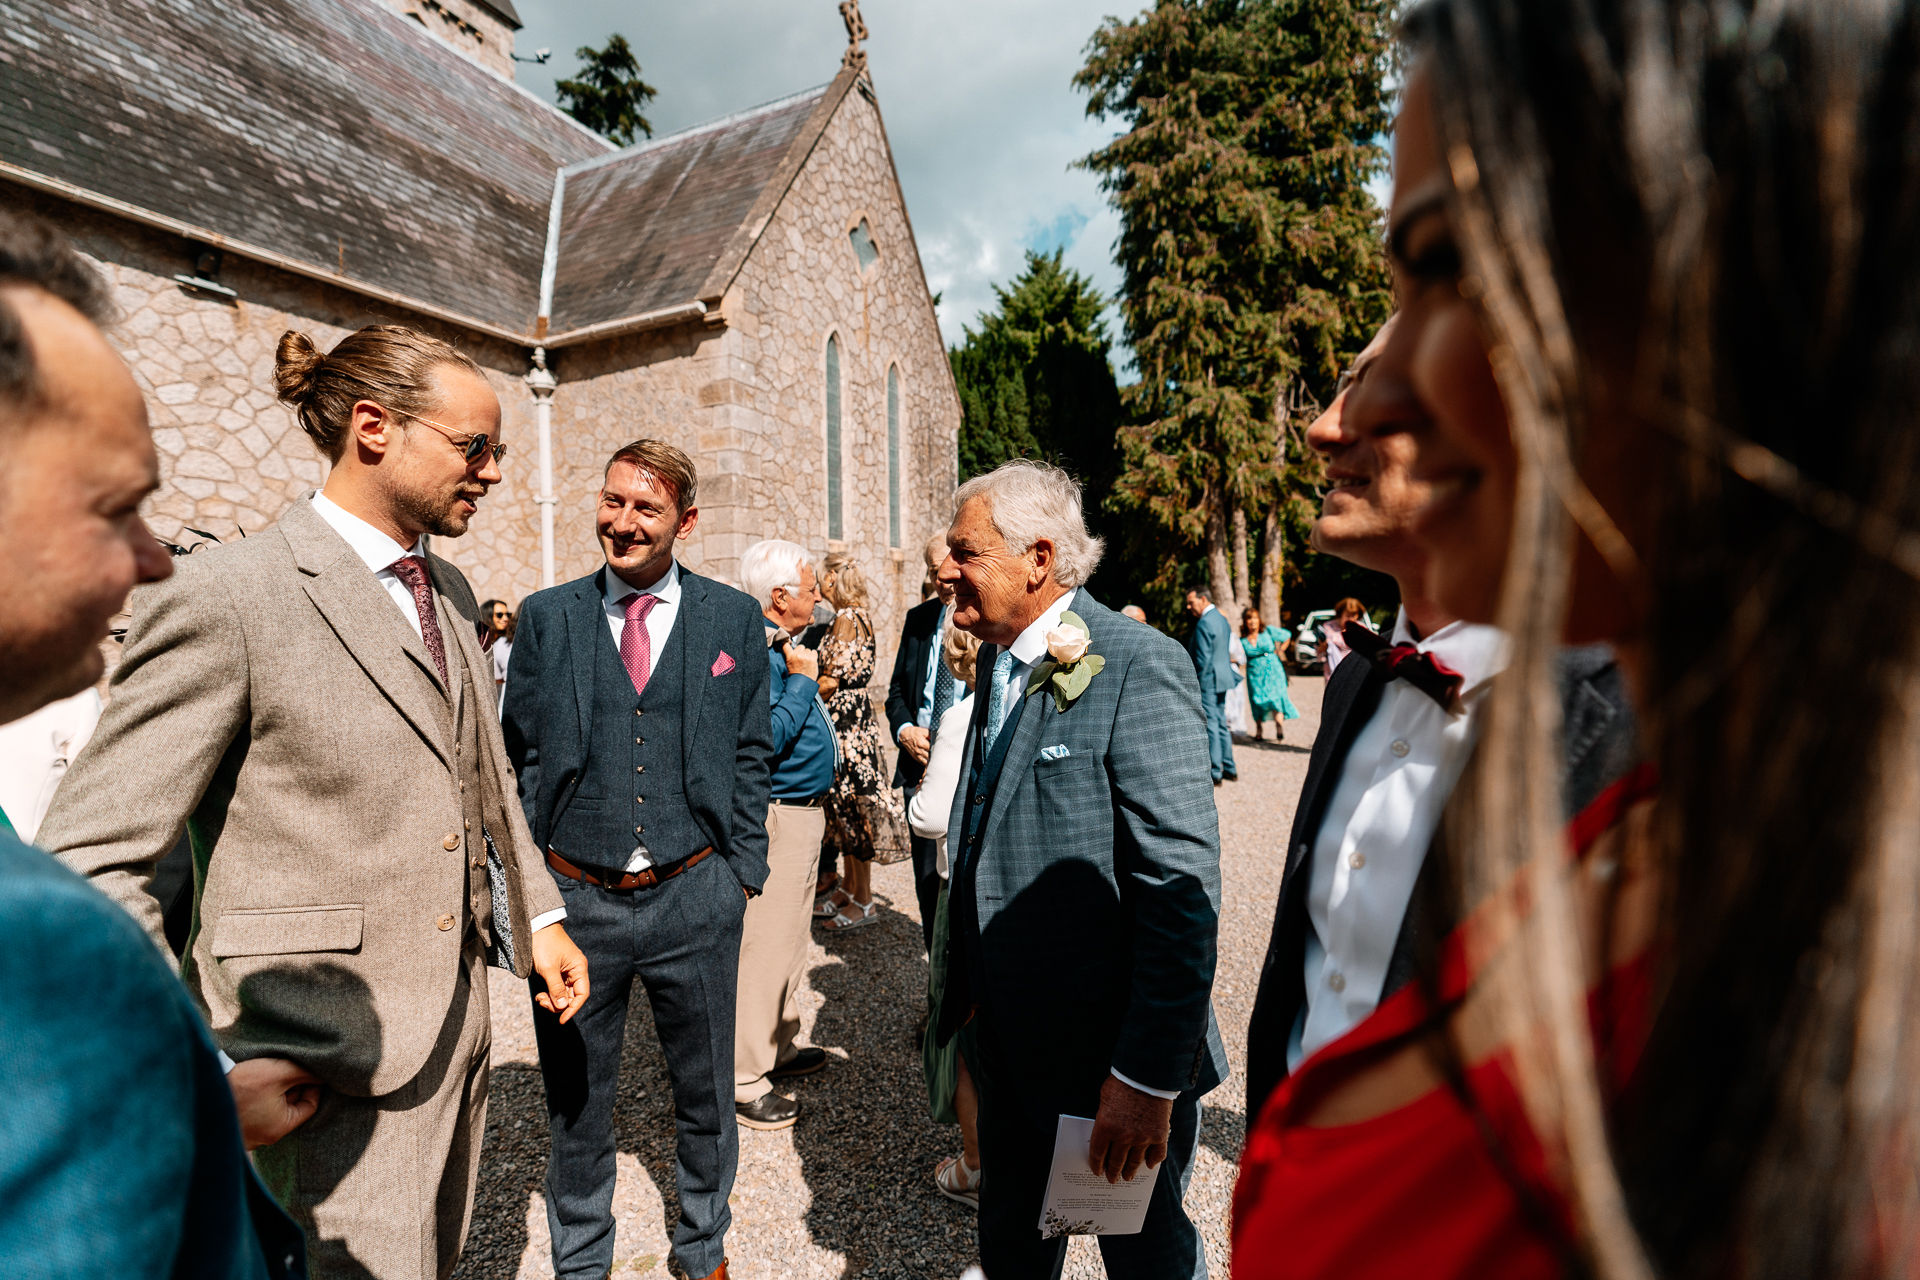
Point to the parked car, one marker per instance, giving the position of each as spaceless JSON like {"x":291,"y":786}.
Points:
{"x":1309,"y":644}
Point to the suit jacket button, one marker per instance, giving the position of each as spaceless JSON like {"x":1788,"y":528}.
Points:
{"x":980,"y":799}
{"x":446,"y":923}
{"x":451,"y":842}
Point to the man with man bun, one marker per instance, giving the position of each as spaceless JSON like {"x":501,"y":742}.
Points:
{"x":311,"y":706}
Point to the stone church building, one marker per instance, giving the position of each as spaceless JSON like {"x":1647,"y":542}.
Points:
{"x":748,"y":289}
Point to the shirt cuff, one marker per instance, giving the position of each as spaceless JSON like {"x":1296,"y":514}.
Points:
{"x":546,"y":918}
{"x":1135,"y":1084}
{"x":226,"y":1064}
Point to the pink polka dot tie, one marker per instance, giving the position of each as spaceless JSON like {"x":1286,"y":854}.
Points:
{"x":636,"y":649}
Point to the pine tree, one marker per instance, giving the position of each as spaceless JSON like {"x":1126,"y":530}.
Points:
{"x":1250,"y":249}
{"x":608,"y":93}
{"x":1036,"y":381}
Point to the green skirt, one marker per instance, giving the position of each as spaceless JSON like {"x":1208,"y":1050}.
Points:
{"x":941,"y":1063}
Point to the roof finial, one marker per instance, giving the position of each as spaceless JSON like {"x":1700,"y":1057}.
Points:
{"x":856,"y":57}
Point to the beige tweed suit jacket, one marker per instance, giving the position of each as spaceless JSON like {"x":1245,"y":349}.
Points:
{"x":275,"y":703}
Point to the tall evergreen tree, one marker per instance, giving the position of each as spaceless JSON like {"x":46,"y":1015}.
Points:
{"x":1250,"y":249}
{"x":607,"y":94}
{"x":1036,"y":381}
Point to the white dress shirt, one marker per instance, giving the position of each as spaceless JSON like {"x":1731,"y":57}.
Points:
{"x":35,"y":751}
{"x":1378,"y":823}
{"x":614,"y":594}
{"x":377,"y":550}
{"x":1028,"y":650}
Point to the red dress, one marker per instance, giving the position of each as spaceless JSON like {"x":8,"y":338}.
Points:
{"x":1417,"y":1191}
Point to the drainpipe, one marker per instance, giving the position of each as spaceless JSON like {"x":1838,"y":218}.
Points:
{"x":540,"y":383}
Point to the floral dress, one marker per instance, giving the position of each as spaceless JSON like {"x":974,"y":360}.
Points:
{"x":863,"y":819}
{"x":1267,"y":675}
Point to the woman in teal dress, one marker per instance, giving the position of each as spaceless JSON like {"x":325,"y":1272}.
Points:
{"x":1266,"y":675}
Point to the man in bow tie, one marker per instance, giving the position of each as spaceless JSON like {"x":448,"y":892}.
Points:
{"x":1396,"y":730}
{"x":638,"y":719}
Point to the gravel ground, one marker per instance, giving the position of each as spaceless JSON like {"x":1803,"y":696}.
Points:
{"x":848,"y":1191}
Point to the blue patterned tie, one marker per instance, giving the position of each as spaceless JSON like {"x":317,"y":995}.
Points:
{"x":943,"y":683}
{"x":997,"y":695}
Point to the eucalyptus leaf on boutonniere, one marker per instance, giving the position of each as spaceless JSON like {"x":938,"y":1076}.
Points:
{"x":1069,"y":667}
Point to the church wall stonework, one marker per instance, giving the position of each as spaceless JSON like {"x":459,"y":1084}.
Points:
{"x":745,"y":395}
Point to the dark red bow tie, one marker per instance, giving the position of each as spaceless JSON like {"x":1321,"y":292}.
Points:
{"x":1405,"y":662}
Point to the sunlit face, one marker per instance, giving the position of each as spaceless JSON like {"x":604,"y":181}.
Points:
{"x":1431,"y":388}
{"x":996,"y":593}
{"x":792,"y":608}
{"x":1196,"y":604}
{"x":430,"y":485}
{"x":639,"y":520}
{"x":499,"y":617}
{"x":72,"y":477}
{"x":1366,"y":517}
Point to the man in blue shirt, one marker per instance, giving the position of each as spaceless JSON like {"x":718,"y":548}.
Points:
{"x":806,"y":755}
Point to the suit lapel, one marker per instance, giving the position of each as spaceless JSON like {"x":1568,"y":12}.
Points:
{"x":370,"y":626}
{"x":695,"y":673}
{"x":458,"y":637}
{"x":586,"y":627}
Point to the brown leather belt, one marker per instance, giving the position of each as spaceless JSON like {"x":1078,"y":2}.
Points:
{"x":628,"y":880}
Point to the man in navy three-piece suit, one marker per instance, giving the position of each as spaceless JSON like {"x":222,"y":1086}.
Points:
{"x":1084,"y":905}
{"x":637,"y":718}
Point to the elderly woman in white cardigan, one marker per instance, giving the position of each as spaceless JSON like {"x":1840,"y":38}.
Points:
{"x":950,"y":1091}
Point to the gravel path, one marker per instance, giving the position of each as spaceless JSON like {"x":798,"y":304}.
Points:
{"x":848,"y":1191}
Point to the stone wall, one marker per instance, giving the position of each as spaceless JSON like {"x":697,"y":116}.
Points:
{"x":474,"y":29}
{"x":748,"y":398}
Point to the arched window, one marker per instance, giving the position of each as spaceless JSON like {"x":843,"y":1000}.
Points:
{"x":893,"y":455}
{"x":835,"y":529}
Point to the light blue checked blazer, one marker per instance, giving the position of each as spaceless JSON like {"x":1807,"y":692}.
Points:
{"x":1095,"y":877}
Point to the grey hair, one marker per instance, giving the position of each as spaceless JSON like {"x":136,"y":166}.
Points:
{"x":1029,"y":501}
{"x":770,"y":564}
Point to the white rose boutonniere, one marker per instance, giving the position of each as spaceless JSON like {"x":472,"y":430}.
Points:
{"x":1069,"y":667}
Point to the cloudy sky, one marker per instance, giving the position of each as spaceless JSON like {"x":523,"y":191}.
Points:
{"x":977,"y":95}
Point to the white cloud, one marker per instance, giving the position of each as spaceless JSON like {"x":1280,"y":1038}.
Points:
{"x":977,"y":97}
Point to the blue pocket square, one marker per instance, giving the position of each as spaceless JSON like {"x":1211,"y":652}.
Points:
{"x":1059,"y":752}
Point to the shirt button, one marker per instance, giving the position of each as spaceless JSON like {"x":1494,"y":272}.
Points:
{"x":446,"y":923}
{"x":451,"y":842}
{"x":1400,"y":747}
{"x":1357,"y":860}
{"x":1337,"y":982}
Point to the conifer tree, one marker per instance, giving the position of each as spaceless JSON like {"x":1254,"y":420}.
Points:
{"x":608,"y":93}
{"x":1250,"y":249}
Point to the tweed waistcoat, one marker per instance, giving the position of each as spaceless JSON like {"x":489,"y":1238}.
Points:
{"x":631,"y":791}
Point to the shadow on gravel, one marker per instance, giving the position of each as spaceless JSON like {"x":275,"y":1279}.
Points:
{"x":1278,"y":748}
{"x":1222,"y":1129}
{"x":867,"y":1147}
{"x":516,"y":1108}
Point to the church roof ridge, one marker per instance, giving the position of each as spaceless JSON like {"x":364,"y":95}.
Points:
{"x":693,"y":131}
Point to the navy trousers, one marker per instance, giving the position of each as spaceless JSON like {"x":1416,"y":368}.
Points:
{"x":1219,"y":737}
{"x":1016,"y":1149}
{"x":681,"y":939}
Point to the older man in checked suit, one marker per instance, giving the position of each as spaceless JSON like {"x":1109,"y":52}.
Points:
{"x":1085,"y":881}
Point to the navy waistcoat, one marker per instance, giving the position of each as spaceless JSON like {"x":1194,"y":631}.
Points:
{"x":631,"y":791}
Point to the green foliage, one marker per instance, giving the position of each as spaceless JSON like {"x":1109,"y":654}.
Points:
{"x":608,"y":93}
{"x":1249,"y":243}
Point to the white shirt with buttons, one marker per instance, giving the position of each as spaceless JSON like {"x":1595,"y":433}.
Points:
{"x":1374,"y":834}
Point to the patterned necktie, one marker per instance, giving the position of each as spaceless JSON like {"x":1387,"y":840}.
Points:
{"x":997,"y":696}
{"x":412,"y":570}
{"x":942,"y":679}
{"x":636,"y":647}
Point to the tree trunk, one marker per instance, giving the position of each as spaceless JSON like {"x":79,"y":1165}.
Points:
{"x":1219,"y":575}
{"x":1272,"y":562}
{"x":1242,"y":594}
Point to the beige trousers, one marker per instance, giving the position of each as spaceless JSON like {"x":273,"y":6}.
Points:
{"x":773,"y":950}
{"x":383,"y":1186}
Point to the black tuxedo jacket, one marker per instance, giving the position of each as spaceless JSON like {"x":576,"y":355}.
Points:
{"x":1598,"y":724}
{"x":919,"y":643}
{"x":726,"y":722}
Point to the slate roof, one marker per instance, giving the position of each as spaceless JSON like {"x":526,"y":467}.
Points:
{"x":641,"y":229}
{"x":337,"y":138}
{"x":504,"y":8}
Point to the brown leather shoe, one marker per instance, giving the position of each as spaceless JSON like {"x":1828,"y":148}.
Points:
{"x":721,"y":1274}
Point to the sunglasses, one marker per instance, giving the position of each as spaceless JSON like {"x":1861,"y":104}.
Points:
{"x":471,"y":447}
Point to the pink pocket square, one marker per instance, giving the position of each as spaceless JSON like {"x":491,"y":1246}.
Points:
{"x":722,"y":664}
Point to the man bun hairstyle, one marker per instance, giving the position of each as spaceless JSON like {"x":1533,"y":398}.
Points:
{"x":389,"y":364}
{"x":662,"y":463}
{"x":1030,"y":501}
{"x":33,"y":255}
